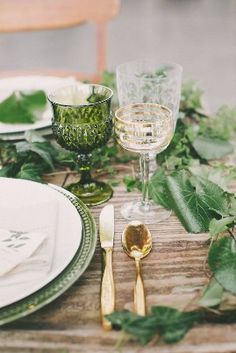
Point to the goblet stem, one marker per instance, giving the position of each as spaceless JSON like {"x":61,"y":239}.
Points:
{"x":84,"y":168}
{"x":90,"y":191}
{"x":144,"y":168}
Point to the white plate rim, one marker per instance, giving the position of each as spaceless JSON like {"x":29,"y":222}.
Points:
{"x":35,"y":82}
{"x":74,"y":247}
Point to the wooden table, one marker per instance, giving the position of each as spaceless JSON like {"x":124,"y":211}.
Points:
{"x":173,"y":274}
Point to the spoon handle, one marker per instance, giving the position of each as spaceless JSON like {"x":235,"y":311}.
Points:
{"x":139,"y":295}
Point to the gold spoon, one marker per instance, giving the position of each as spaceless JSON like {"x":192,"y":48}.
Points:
{"x":137,"y":243}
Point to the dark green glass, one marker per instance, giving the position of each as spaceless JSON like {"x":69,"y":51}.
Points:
{"x":82,"y":122}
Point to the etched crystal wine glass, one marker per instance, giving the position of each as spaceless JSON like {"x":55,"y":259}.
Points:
{"x":147,"y":81}
{"x":82,"y":122}
{"x":144,"y":128}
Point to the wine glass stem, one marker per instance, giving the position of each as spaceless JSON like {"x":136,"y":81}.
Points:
{"x":84,"y":168}
{"x":144,"y":168}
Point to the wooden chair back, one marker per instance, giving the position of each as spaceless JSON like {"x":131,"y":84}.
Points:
{"x":34,"y":15}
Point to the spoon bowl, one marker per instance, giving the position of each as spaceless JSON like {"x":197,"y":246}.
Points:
{"x":136,"y":240}
{"x":137,"y":244}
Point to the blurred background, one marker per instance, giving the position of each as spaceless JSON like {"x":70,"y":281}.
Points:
{"x":198,"y":34}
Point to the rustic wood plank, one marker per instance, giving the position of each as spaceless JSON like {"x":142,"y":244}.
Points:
{"x":174,"y":272}
{"x":206,"y":339}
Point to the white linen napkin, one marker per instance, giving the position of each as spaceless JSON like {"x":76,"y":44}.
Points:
{"x":30,"y":262}
{"x":16,"y":247}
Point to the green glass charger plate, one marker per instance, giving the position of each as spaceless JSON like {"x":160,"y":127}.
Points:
{"x":67,"y":277}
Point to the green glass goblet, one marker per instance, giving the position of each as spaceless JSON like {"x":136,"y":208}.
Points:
{"x":82,"y":122}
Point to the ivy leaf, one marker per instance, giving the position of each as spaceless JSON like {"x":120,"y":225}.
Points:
{"x":131,"y":183}
{"x":30,"y":172}
{"x":212,"y":294}
{"x":22,"y":108}
{"x":222,"y":125}
{"x":35,"y":99}
{"x":219,"y":175}
{"x":65,"y":158}
{"x":228,"y":302}
{"x":222,"y":262}
{"x":7,"y":152}
{"x":210,"y":148}
{"x":9,"y":170}
{"x":42,"y":149}
{"x":232,"y":207}
{"x":195,"y":201}
{"x":174,"y":324}
{"x":191,"y":96}
{"x":121,"y":318}
{"x":142,"y":327}
{"x":168,"y":322}
{"x":30,"y":160}
{"x":109,"y":79}
{"x":217,"y":226}
{"x":180,"y":152}
{"x":158,"y":189}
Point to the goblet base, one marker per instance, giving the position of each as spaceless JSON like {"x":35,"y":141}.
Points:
{"x":93,"y":193}
{"x":136,"y":211}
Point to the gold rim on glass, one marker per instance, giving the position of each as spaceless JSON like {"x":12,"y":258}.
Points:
{"x":122,"y":112}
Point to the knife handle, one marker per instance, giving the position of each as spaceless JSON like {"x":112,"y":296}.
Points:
{"x":107,"y":290}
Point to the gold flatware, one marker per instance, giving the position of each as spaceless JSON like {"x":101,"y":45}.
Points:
{"x":137,"y":243}
{"x":106,"y":231}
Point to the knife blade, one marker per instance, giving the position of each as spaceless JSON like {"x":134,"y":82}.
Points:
{"x":106,"y":232}
{"x":106,"y":226}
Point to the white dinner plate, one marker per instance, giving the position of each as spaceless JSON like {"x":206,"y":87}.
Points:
{"x":14,"y":137}
{"x":17,"y":194}
{"x":31,"y":83}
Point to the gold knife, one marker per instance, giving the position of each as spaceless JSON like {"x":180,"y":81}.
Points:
{"x":106,"y":231}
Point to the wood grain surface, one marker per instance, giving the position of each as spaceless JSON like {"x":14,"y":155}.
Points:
{"x":174,"y":272}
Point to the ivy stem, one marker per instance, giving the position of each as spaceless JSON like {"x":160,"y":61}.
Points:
{"x":65,"y":180}
{"x":231,"y":233}
{"x":205,"y":261}
{"x":123,"y":338}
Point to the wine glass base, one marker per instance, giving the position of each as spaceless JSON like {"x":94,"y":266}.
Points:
{"x":93,"y":193}
{"x":136,"y":211}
